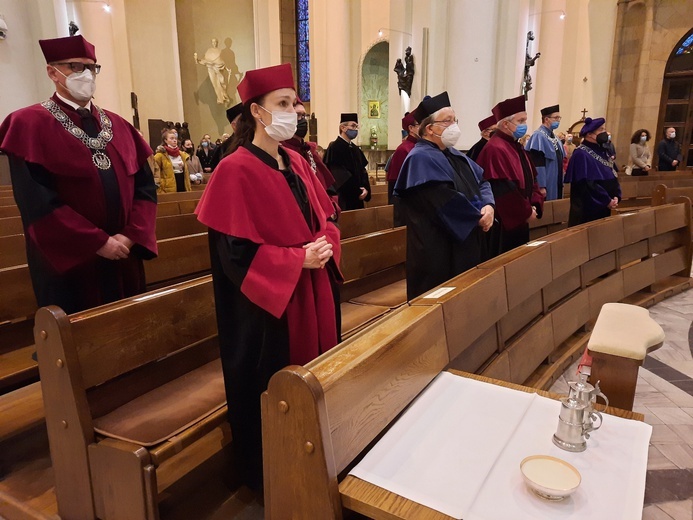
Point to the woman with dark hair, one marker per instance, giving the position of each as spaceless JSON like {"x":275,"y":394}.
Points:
{"x":275,"y":252}
{"x":640,"y":153}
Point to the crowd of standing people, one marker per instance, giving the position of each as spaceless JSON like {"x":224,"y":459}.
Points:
{"x":87,"y":198}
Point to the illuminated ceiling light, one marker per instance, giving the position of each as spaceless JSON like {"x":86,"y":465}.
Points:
{"x":107,"y":7}
{"x":562,"y":17}
{"x":380,"y":33}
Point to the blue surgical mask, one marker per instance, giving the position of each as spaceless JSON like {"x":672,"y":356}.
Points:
{"x":520,"y":131}
{"x":554,"y":125}
{"x":351,"y":134}
{"x":205,"y":144}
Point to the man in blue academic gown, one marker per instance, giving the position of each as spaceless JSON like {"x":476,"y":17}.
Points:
{"x":546,"y":152}
{"x":444,"y":200}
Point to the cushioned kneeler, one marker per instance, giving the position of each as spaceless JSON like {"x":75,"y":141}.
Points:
{"x":622,"y":337}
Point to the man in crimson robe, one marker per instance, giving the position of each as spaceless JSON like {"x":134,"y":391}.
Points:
{"x":348,"y":164}
{"x":512,"y":175}
{"x":487,"y":127}
{"x":308,"y":151}
{"x":83,"y":186}
{"x":411,"y":126}
{"x":274,"y":250}
{"x":445,"y":202}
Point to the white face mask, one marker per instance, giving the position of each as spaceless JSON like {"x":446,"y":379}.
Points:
{"x":283,"y":126}
{"x":80,"y":85}
{"x":672,"y":135}
{"x":451,"y":135}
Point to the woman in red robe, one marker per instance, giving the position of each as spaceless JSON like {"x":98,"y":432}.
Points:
{"x":274,"y":251}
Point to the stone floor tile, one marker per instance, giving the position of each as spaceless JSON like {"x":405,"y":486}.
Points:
{"x":671,"y":415}
{"x":643,"y":387}
{"x":657,"y":460}
{"x":650,"y":417}
{"x":685,"y":431}
{"x":689,"y":411}
{"x":652,"y":512}
{"x":654,"y":400}
{"x":668,"y":485}
{"x":680,"y":510}
{"x":663,"y":434}
{"x":679,"y":454}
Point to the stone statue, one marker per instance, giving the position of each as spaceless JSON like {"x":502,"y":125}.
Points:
{"x":72,"y":28}
{"x":529,"y":62}
{"x":405,"y":72}
{"x":216,"y":68}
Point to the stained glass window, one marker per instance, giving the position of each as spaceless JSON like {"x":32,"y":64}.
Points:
{"x":686,"y":46}
{"x":302,"y":50}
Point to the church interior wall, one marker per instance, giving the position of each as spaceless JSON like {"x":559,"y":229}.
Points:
{"x":152,"y":41}
{"x":647,"y":31}
{"x":197,"y":23}
{"x":23,"y":79}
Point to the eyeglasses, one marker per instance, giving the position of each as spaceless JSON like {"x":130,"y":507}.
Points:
{"x":76,"y":66}
{"x":557,"y":118}
{"x":446,"y":123}
{"x":352,"y":126}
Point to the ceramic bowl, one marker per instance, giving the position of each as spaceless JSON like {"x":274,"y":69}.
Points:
{"x":550,"y":477}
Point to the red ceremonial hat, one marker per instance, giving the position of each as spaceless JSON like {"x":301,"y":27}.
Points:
{"x":298,"y":101}
{"x":487,"y":123}
{"x":509,"y":107}
{"x":259,"y":82}
{"x":407,"y":121}
{"x":60,"y":49}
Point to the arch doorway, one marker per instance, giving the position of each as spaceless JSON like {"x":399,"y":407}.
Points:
{"x":676,"y":109}
{"x":374,"y":97}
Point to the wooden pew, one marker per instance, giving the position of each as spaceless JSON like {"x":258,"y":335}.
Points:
{"x":377,"y":199}
{"x":11,"y":226}
{"x":180,"y":258}
{"x":374,"y":277}
{"x":318,"y":419}
{"x":134,"y":399}
{"x":363,"y":221}
{"x":554,"y":218}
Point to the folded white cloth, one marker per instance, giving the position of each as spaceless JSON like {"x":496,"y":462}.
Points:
{"x":458,"y":448}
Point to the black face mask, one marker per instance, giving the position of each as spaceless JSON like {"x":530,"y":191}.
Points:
{"x":602,"y":138}
{"x":301,"y":128}
{"x":189,"y":151}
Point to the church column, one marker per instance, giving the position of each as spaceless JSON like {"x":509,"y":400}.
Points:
{"x":267,"y":33}
{"x":510,"y":36}
{"x":470,"y":64}
{"x":114,"y":83}
{"x":331,"y":74}
{"x":546,"y":73}
{"x":401,"y":21}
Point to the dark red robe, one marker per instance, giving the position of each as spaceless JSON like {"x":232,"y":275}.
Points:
{"x":69,"y":208}
{"x":512,"y":176}
{"x":270,"y":310}
{"x":396,"y":163}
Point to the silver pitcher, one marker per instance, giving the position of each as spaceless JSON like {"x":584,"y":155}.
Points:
{"x":578,"y":417}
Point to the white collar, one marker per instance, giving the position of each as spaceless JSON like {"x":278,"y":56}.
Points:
{"x":72,"y":103}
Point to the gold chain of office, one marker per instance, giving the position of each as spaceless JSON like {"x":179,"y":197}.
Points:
{"x":596,"y":156}
{"x":97,"y":144}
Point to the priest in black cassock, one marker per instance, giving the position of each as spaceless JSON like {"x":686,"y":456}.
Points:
{"x":233,"y":114}
{"x":348,"y":165}
{"x":83,"y":186}
{"x":487,"y":127}
{"x":274,"y":251}
{"x":445,"y":202}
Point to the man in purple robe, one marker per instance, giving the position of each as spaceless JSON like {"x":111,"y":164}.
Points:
{"x":594,"y":189}
{"x":83,"y":187}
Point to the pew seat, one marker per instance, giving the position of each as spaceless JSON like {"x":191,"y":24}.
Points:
{"x":355,"y":317}
{"x":134,"y":399}
{"x":392,"y":295}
